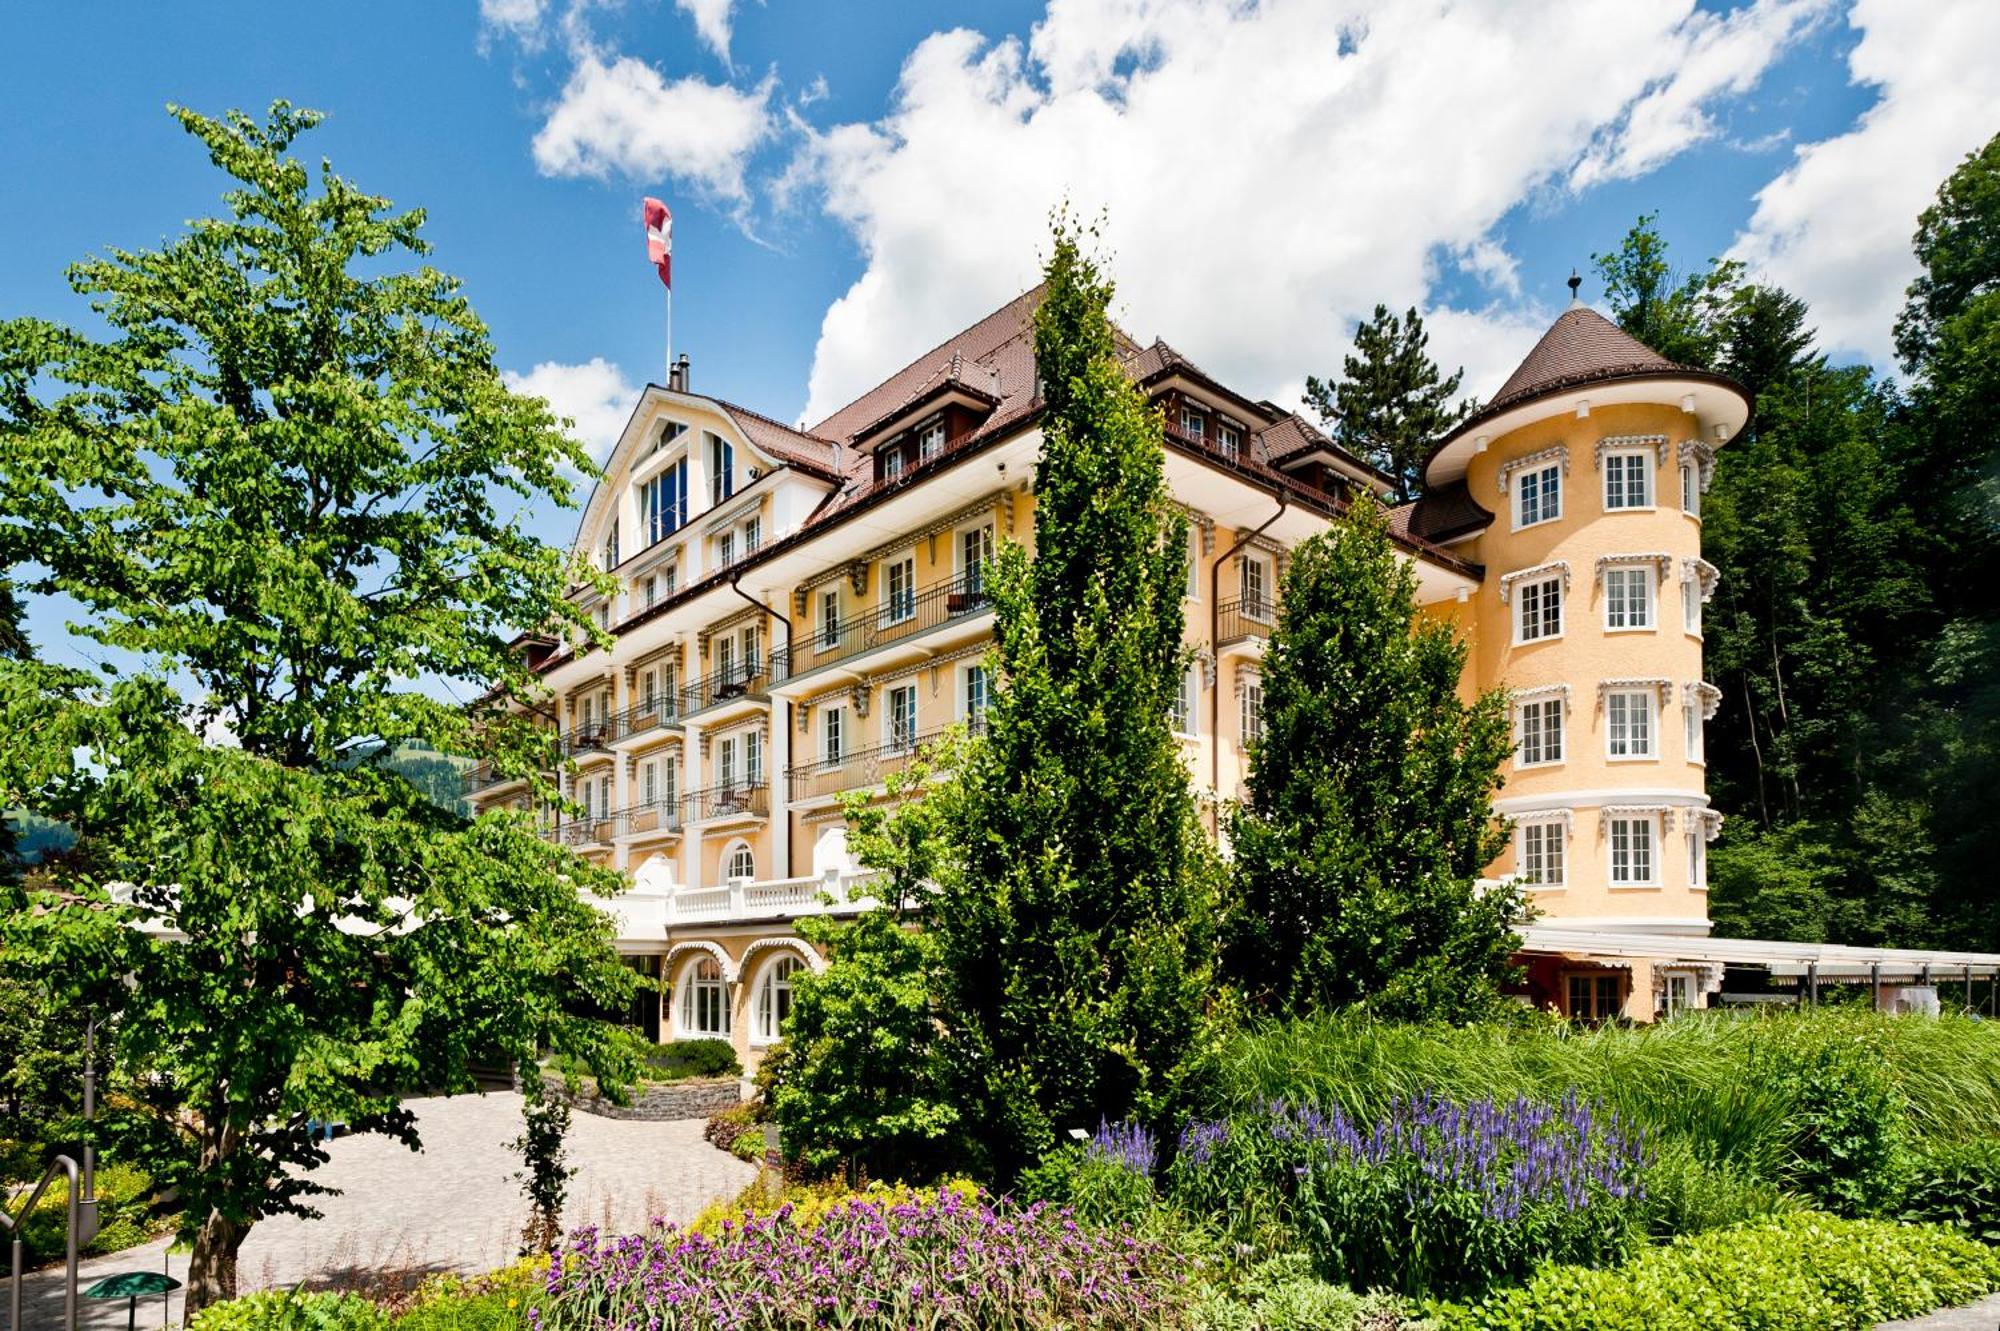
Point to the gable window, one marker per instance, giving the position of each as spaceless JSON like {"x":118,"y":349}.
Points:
{"x":975,"y":695}
{"x":1691,"y":489}
{"x":899,"y":589}
{"x":1628,"y":597}
{"x":829,"y":620}
{"x":1183,"y":712}
{"x":669,"y":432}
{"x":1194,"y":424}
{"x":721,"y":468}
{"x":1539,"y":732}
{"x":930,"y":441}
{"x":1540,"y":613}
{"x":611,"y":546}
{"x":903,"y":717}
{"x":892,"y":464}
{"x":1250,"y":709}
{"x":1628,"y":724}
{"x":1229,"y":439}
{"x":1255,"y":572}
{"x":975,"y":552}
{"x":832,"y":734}
{"x":704,"y":1000}
{"x":1538,"y":495}
{"x":741,"y":862}
{"x":774,"y":1000}
{"x":1632,"y":851}
{"x":663,"y":502}
{"x":1541,"y":857}
{"x":1628,"y":480}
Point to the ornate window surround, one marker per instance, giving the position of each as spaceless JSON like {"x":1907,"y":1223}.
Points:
{"x":1706,"y":694}
{"x":1702,"y":455}
{"x":1528,"y":462}
{"x":1629,"y":443}
{"x":1565,"y":818}
{"x":1555,"y":566}
{"x":1607,"y":812}
{"x":1661,"y":558}
{"x":1665,"y":687}
{"x":1537,"y":694}
{"x":1708,"y":822}
{"x":1695,"y":569}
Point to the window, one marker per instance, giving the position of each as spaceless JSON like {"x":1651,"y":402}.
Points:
{"x":670,"y":580}
{"x":669,"y":432}
{"x":1255,"y":572}
{"x":649,"y":690}
{"x":1183,"y":711}
{"x":892,"y":464}
{"x":649,"y":783}
{"x":1691,"y":489}
{"x":832,"y":734}
{"x":975,"y":552}
{"x":670,"y":787}
{"x":903,"y":717}
{"x":741,"y":862}
{"x":1632,"y":851}
{"x":721,"y":468}
{"x":1542,"y":854}
{"x":899,"y":588}
{"x":1193,"y":424}
{"x":1628,"y":598}
{"x":1677,"y":995}
{"x":753,"y":641}
{"x":1628,"y":480}
{"x":1251,"y":709}
{"x":1539,"y":732}
{"x":1691,"y":727}
{"x":725,"y":549}
{"x":1628,"y":724}
{"x":1691,"y":606}
{"x":1697,"y":839}
{"x":663,"y":502}
{"x":975,"y":695}
{"x":1229,"y":439}
{"x":829,"y":620}
{"x":1541,"y":610}
{"x":753,"y":757}
{"x":649,"y":589}
{"x":1538,"y":495}
{"x":725,"y":763}
{"x":611,"y":546}
{"x":930,"y":440}
{"x":753,"y":535}
{"x":725,"y":659}
{"x":1596,"y":997}
{"x":773,"y":1006}
{"x":704,"y":1000}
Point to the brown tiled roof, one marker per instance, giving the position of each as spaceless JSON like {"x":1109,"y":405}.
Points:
{"x":781,"y":441}
{"x":1580,"y":347}
{"x":1445,"y":513}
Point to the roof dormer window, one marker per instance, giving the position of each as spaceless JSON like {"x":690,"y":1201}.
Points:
{"x":930,"y":439}
{"x":1194,"y":422}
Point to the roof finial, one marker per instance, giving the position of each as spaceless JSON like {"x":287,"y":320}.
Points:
{"x":1574,"y":283}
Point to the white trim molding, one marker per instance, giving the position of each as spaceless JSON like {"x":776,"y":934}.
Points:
{"x":712,"y":949}
{"x":1558,"y":567}
{"x":1565,"y":818}
{"x":1541,"y":691}
{"x":1661,"y":558}
{"x":1702,"y":454}
{"x":1626,"y":443}
{"x":806,"y":952}
{"x":1606,"y":812}
{"x":1708,"y":822}
{"x":1698,"y":571}
{"x":1559,"y":453}
{"x":1665,"y":687}
{"x":1703,"y":693}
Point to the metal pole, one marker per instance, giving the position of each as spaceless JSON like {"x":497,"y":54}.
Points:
{"x":89,"y":1109}
{"x":14,"y":1290}
{"x":1968,"y":989}
{"x":1875,"y":982}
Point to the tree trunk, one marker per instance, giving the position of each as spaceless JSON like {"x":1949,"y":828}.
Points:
{"x":212,"y":1267}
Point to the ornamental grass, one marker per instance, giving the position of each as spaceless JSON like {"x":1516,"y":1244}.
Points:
{"x":943,"y":1261}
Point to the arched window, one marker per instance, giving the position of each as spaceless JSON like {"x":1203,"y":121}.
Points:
{"x":739,"y":862}
{"x":773,"y":1007}
{"x":704,"y":1000}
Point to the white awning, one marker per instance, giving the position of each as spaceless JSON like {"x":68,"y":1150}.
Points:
{"x":1831,"y":960}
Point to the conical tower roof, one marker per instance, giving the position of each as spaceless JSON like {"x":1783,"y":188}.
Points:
{"x":1579,"y":347}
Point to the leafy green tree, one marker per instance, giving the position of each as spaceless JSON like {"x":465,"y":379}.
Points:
{"x":1391,"y":400}
{"x":1370,"y":814}
{"x":1675,"y":314}
{"x":1074,"y":907}
{"x":1958,"y":245}
{"x":282,"y":476}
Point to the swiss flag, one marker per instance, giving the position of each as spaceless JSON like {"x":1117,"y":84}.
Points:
{"x":660,"y":240}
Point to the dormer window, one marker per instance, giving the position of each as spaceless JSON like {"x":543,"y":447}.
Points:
{"x":1227,"y":438}
{"x":1193,"y":423}
{"x":669,"y":432}
{"x":892,"y":464}
{"x":930,"y":440}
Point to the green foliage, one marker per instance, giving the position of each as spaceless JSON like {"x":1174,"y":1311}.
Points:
{"x":126,"y":1215}
{"x":1370,"y":813}
{"x":1391,"y":401}
{"x":1097,"y":1189}
{"x":468,"y":1312}
{"x":1849,"y":1135}
{"x":1957,"y":1183}
{"x":1689,"y":1193}
{"x":292,"y":1310}
{"x":41,"y":1060}
{"x":1798,"y":1273}
{"x":677,"y":1060}
{"x":738,"y":1130}
{"x":1282,"y":1294}
{"x":1958,"y":244}
{"x":546,"y":1173}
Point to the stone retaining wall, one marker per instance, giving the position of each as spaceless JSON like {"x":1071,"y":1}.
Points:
{"x":660,"y":1101}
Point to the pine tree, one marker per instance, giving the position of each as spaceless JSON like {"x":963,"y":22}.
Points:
{"x":1074,"y":912}
{"x":1370,"y":812}
{"x":1391,"y":400}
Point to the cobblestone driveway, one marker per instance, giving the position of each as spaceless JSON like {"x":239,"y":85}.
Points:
{"x":455,"y":1206}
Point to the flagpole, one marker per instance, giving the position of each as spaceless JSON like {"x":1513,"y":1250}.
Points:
{"x":670,"y":335}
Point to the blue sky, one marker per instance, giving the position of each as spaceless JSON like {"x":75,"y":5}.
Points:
{"x":851,"y":182}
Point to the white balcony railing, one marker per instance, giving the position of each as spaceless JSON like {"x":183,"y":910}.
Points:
{"x":747,"y":899}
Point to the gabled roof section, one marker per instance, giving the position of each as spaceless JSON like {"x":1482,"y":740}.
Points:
{"x":1445,"y":514}
{"x":781,"y":442}
{"x":970,"y":379}
{"x":1580,"y":347}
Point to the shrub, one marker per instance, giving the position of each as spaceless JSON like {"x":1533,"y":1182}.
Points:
{"x":806,"y":1204}
{"x":1958,"y":1185}
{"x":125,"y":1215}
{"x":469,"y":1312}
{"x":1801,"y":1273}
{"x":1847,"y":1127}
{"x":1105,"y":1181}
{"x":1282,"y":1294}
{"x":1686,"y":1194}
{"x":292,"y":1310}
{"x":738,"y":1130}
{"x":1435,"y":1196}
{"x":942,"y":1260}
{"x":680,"y":1059}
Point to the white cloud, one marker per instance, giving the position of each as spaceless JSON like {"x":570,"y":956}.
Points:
{"x":594,"y":395}
{"x":1835,"y":227}
{"x":620,"y":116}
{"x":520,"y":20}
{"x":1269,"y":171}
{"x":711,"y":20}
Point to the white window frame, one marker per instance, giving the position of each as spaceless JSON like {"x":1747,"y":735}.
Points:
{"x":1691,"y":489}
{"x":899,"y":609}
{"x":1619,"y":463}
{"x":1693,"y":732}
{"x":1619,"y":721}
{"x":649,"y":587}
{"x":828,"y":637}
{"x":892,"y":464}
{"x":832,"y":735}
{"x":1640,"y":849}
{"x":725,"y":549}
{"x":1194,"y":423}
{"x":1229,"y":440}
{"x":930,"y":440}
{"x":1622,"y":576}
{"x":1250,"y":709}
{"x":727,"y":774}
{"x":767,"y":1023}
{"x":753,"y":757}
{"x":738,"y":855}
{"x":1549,"y":720}
{"x":1691,"y":607}
{"x":1541,"y":859}
{"x":753,"y":534}
{"x":972,"y":565}
{"x":1193,"y":592}
{"x":904,"y":741}
{"x":1545,"y":483}
{"x":1697,"y":840}
{"x":1534,"y":616}
{"x":1183,"y":715}
{"x":649,"y":783}
{"x":1263,"y":607}
{"x":705,"y":973}
{"x":975,"y":693}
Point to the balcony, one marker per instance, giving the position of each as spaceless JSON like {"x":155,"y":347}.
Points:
{"x":594,"y":737}
{"x":781,"y":898}
{"x":660,"y":818}
{"x":741,"y":799}
{"x":902,"y":619}
{"x":1244,"y":620}
{"x":743,"y":681}
{"x":582,"y":831}
{"x":853,"y":770}
{"x":649,"y":715}
{"x":483,"y":777}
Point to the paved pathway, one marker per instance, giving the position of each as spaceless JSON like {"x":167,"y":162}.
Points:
{"x":1981,"y":1316}
{"x":454,"y":1207}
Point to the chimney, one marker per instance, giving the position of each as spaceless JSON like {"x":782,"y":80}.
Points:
{"x":677,"y":375}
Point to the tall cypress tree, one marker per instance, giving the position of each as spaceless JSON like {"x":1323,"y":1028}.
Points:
{"x":1075,"y":907}
{"x":1370,"y":812}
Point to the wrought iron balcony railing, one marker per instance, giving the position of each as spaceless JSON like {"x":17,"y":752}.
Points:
{"x":750,"y":678}
{"x":898,"y":618}
{"x":647,"y":714}
{"x":739,"y":799}
{"x":1244,"y":617}
{"x":854,"y":769}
